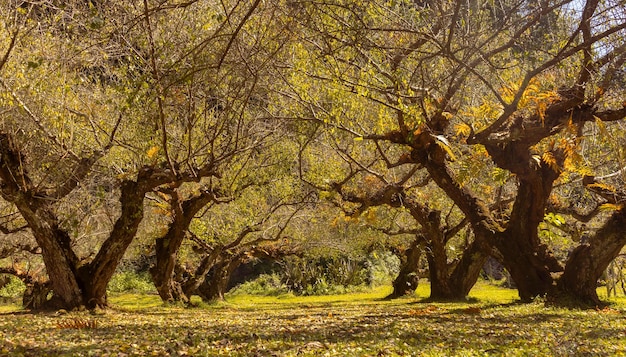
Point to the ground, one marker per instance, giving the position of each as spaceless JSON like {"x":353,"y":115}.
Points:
{"x":491,"y":323}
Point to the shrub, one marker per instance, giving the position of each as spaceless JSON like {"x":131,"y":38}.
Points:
{"x":382,"y":267}
{"x":12,"y":289}
{"x":265,"y":284}
{"x":128,"y":281}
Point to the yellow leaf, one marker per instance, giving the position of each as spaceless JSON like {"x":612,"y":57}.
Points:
{"x":602,"y":186}
{"x":601,"y":126}
{"x":445,"y":145}
{"x":152,"y":152}
{"x":611,"y":207}
{"x":549,"y":159}
{"x":462,"y":129}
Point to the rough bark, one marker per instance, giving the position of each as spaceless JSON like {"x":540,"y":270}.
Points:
{"x":408,"y":277}
{"x":167,"y":247}
{"x":74,"y":283}
{"x":577,"y":285}
{"x":453,"y":281}
{"x":528,"y":260}
{"x":59,"y":259}
{"x":215,"y":285}
{"x":467,"y":270}
{"x":193,"y":282}
{"x":97,"y":274}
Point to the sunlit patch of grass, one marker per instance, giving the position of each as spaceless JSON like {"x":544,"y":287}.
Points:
{"x":135,"y":301}
{"x":289,"y":299}
{"x":486,"y":292}
{"x":358,"y":324}
{"x":618,"y":300}
{"x":9,"y":308}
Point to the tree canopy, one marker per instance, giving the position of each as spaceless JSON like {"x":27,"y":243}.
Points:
{"x":480,"y":129}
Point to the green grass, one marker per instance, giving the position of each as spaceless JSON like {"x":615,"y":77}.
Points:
{"x":358,"y":324}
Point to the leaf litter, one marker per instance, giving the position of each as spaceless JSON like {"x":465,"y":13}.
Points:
{"x":404,"y":327}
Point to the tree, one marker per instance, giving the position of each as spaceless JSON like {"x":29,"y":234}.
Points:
{"x":422,"y":92}
{"x":145,"y":118}
{"x":449,"y":278}
{"x":259,"y":228}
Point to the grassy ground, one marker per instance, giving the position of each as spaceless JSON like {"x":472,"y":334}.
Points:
{"x":490,"y":323}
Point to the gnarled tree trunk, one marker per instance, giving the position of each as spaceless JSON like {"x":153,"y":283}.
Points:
{"x":528,"y":260}
{"x":167,"y":247}
{"x":74,"y":283}
{"x":578,"y":283}
{"x":408,"y":277}
{"x":215,"y":285}
{"x":453,"y":281}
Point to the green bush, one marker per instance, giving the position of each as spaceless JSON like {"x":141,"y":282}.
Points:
{"x":325,"y":275}
{"x":13,"y":288}
{"x":128,"y":281}
{"x":265,"y":284}
{"x":382,"y":267}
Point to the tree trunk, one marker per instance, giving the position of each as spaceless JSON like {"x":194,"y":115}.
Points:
{"x":467,"y":270}
{"x":162,"y":272}
{"x":528,"y":260}
{"x":167,"y":247}
{"x":408,"y":278}
{"x":215,"y":285}
{"x":192,"y":284}
{"x":577,"y":285}
{"x":438,"y":268}
{"x":96,"y":275}
{"x":35,"y":296}
{"x":453,"y":281}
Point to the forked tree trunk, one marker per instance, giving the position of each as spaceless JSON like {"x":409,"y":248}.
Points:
{"x":163,"y":270}
{"x":467,"y":270}
{"x":215,"y":285}
{"x":578,"y":283}
{"x":528,"y":260}
{"x":408,"y":277}
{"x":169,"y":287}
{"x":74,"y":283}
{"x":453,"y":281}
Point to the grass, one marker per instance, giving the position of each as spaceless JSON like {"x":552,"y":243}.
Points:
{"x":358,"y":324}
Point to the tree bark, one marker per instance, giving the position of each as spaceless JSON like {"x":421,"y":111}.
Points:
{"x":528,"y":260}
{"x":467,"y":270}
{"x":408,"y":277}
{"x":74,"y":283}
{"x":453,"y":281}
{"x":215,"y":285}
{"x":577,"y":285}
{"x":167,"y":247}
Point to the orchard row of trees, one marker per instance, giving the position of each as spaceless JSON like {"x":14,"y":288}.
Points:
{"x":215,"y":132}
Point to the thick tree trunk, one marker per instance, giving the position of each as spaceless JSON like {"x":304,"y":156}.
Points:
{"x":58,"y":257}
{"x":167,"y":247}
{"x":453,"y":281}
{"x":439,"y":271}
{"x":528,"y":260}
{"x":577,"y":285}
{"x":96,"y":275}
{"x":408,"y":278}
{"x":215,"y":285}
{"x":192,"y":284}
{"x":162,"y":272}
{"x":467,"y":270}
